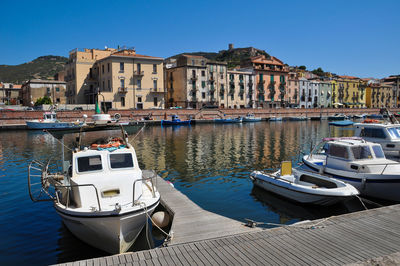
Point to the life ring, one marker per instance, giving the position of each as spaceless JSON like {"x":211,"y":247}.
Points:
{"x":117,"y":116}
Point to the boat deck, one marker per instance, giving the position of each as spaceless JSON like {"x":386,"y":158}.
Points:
{"x":200,"y":240}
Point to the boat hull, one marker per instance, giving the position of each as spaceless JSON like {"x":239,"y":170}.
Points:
{"x":305,"y":196}
{"x":223,"y":121}
{"x":51,"y":125}
{"x":113,"y":234}
{"x":256,"y":119}
{"x":297,"y":196}
{"x":175,"y":123}
{"x":379,"y":186}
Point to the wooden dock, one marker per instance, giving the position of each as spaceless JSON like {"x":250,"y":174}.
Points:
{"x":204,"y":238}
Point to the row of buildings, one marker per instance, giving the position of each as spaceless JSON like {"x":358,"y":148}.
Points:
{"x":123,"y":79}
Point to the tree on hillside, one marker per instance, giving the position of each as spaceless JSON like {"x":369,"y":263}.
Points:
{"x":44,"y":100}
{"x":318,"y":72}
{"x":302,"y":67}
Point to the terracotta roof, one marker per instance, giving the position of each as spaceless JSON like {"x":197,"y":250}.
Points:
{"x":348,"y":77}
{"x":261,"y":59}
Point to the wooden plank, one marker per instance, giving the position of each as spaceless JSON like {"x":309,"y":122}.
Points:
{"x":212,"y":254}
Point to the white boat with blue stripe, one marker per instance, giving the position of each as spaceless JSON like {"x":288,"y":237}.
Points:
{"x":50,"y":121}
{"x":359,"y":163}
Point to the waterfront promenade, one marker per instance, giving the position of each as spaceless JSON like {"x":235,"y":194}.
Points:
{"x":363,"y":237}
{"x":16,"y":119}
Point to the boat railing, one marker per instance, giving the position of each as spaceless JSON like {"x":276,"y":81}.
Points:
{"x":381,"y":164}
{"x":72,"y":186}
{"x":144,"y":180}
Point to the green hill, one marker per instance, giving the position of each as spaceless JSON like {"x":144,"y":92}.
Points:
{"x":231,"y":56}
{"x":44,"y":67}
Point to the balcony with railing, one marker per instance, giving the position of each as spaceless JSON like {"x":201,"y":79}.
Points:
{"x":193,"y":77}
{"x":122,"y":90}
{"x":138,"y":73}
{"x":157,"y":90}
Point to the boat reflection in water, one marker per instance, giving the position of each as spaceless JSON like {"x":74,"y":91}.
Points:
{"x":290,"y":212}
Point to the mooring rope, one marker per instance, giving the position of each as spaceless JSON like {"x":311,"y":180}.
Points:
{"x":44,"y":130}
{"x":137,"y":133}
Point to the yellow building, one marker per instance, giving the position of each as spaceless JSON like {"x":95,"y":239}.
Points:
{"x":379,"y":95}
{"x":122,"y":78}
{"x":349,"y":92}
{"x":241,"y":92}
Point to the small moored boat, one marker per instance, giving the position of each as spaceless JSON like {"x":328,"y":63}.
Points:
{"x":341,"y":123}
{"x":175,"y":121}
{"x":250,"y":117}
{"x":228,"y":120}
{"x":359,"y":163}
{"x":275,"y":118}
{"x":304,"y":186}
{"x":100,"y":194}
{"x":50,"y":121}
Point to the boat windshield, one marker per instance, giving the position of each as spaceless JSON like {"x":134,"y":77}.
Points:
{"x":89,"y":163}
{"x":121,"y":160}
{"x":378,"y":151}
{"x":361,"y":152}
{"x":394,"y":132}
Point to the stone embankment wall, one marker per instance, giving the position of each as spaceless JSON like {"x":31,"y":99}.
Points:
{"x":19,"y":117}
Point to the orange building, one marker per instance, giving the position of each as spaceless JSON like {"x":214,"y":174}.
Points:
{"x":271,"y":81}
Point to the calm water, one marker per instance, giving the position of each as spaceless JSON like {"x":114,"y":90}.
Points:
{"x":209,"y":163}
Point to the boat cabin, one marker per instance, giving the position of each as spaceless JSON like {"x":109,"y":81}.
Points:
{"x":99,"y":175}
{"x":49,"y":116}
{"x":388,"y":135}
{"x":348,"y":154}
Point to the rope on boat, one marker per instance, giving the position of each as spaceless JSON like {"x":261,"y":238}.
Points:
{"x":152,"y":222}
{"x":138,"y":133}
{"x":44,"y":130}
{"x":362,"y":203}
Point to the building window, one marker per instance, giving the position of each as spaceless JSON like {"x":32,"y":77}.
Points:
{"x":108,"y":67}
{"x":222,"y":96}
{"x":203,"y":84}
{"x":123,"y":101}
{"x":203,"y":63}
{"x":193,"y":73}
{"x":139,"y":99}
{"x":232,"y":97}
{"x":192,"y":62}
{"x":139,"y":84}
{"x":203,"y":95}
{"x":121,"y":67}
{"x":122,"y":81}
{"x":203,"y":73}
{"x":241,"y":97}
{"x":57,"y":89}
{"x":102,"y":69}
{"x":154,"y":68}
{"x":58,"y":100}
{"x":155,"y":84}
{"x":155,"y":101}
{"x":139,"y":68}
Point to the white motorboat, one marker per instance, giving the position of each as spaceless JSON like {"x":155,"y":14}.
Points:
{"x":304,"y":186}
{"x":250,"y":117}
{"x":50,"y":121}
{"x":386,"y":134}
{"x":275,"y":118}
{"x":358,"y":162}
{"x":100,"y":195}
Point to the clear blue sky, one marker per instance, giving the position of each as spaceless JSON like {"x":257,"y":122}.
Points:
{"x":360,"y":38}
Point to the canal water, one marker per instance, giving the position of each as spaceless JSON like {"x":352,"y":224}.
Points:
{"x":210,"y":163}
